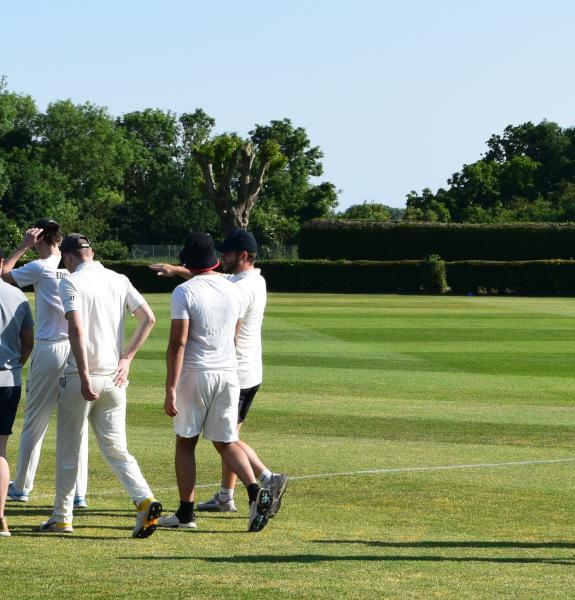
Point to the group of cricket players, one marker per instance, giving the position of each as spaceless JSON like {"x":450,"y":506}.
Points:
{"x":80,"y":367}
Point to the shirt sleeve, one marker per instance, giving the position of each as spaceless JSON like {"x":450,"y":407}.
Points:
{"x":244,"y":300}
{"x":28,"y":274}
{"x":134,"y":299}
{"x":69,"y":296}
{"x":27,"y":318}
{"x":180,"y":304}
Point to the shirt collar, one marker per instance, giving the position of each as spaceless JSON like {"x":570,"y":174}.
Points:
{"x":85,"y":266}
{"x":249,"y":273}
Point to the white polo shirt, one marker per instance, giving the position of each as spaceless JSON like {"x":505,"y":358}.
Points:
{"x":104,"y":298}
{"x":45,"y":276}
{"x":249,"y":339}
{"x":212,"y":305}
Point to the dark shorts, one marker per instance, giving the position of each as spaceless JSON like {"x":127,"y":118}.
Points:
{"x":9,"y":399}
{"x":246,"y":398}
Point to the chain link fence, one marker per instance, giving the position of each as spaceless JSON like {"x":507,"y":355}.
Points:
{"x":168,"y":253}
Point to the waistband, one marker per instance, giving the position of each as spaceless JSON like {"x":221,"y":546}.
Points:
{"x":51,"y":342}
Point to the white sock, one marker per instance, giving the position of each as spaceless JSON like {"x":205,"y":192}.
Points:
{"x":225,"y":495}
{"x":266,"y":477}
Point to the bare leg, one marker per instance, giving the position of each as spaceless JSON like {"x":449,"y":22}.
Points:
{"x":229,"y":477}
{"x":237,"y":461}
{"x":186,"y":467}
{"x":4,"y":474}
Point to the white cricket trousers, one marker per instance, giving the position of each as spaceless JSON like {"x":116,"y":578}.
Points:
{"x":107,"y":415}
{"x":42,"y":391}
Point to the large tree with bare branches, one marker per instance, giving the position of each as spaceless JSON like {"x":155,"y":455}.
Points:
{"x":234,"y":170}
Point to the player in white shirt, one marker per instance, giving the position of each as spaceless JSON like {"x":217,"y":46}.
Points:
{"x":96,"y":302}
{"x":239,"y":251}
{"x":49,"y":357}
{"x":202,"y":386}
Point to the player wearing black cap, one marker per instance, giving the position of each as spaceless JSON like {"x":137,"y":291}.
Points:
{"x":202,"y":386}
{"x":239,"y":252}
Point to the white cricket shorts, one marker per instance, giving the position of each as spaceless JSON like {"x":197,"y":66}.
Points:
{"x":208,"y":401}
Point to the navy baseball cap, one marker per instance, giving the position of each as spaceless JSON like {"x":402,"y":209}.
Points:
{"x":239,"y":240}
{"x":74,"y":241}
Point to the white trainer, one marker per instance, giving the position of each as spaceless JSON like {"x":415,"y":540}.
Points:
{"x":217,"y":505}
{"x":172,"y":522}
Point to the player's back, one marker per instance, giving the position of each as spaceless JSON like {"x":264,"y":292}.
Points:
{"x":211,"y":303}
{"x":104,"y":298}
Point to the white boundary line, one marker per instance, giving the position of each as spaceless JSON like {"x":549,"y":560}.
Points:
{"x":519,"y":463}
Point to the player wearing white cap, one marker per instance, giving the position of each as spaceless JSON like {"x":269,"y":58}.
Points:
{"x":239,"y":251}
{"x":49,"y":357}
{"x":96,"y":302}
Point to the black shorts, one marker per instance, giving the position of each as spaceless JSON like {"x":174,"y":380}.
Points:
{"x":246,"y":398}
{"x":9,"y":399}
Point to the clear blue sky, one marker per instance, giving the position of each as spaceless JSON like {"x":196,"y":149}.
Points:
{"x":398,"y":95}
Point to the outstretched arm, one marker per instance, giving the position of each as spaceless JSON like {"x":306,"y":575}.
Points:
{"x":146,"y":321}
{"x":165,"y":270}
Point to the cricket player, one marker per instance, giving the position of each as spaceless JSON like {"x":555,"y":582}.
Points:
{"x":16,"y":343}
{"x":202,"y":386}
{"x":239,"y":252}
{"x":96,"y":302}
{"x":49,"y":358}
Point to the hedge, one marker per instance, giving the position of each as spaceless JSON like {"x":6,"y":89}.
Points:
{"x":364,"y":240}
{"x":541,"y":278}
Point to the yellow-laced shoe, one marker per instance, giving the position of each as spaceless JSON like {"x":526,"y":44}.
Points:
{"x":53,"y":526}
{"x":149,"y":512}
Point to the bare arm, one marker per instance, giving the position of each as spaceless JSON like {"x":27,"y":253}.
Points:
{"x":26,"y":244}
{"x":165,"y":270}
{"x":26,"y":344}
{"x":174,"y":361}
{"x":77,"y":339}
{"x":146,"y":321}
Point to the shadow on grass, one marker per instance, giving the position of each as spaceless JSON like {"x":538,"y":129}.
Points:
{"x":454,"y":544}
{"x":319,"y":558}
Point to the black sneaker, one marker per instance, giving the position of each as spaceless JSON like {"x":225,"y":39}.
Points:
{"x":259,"y":510}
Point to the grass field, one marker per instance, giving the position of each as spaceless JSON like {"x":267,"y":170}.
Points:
{"x":365,"y":400}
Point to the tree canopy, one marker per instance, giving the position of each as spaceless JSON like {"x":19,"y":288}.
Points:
{"x":151,"y":176}
{"x":527,"y":174}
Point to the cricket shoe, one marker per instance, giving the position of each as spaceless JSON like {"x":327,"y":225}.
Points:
{"x":217,"y":505}
{"x":278,"y":486}
{"x":53,"y":526}
{"x":173,"y":522}
{"x":4,"y":531}
{"x":80,"y":503}
{"x":149,"y":512}
{"x":260,"y":510}
{"x":15,"y":495}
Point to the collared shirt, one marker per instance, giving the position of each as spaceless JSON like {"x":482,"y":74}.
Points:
{"x":15,"y":315}
{"x":253,"y":297}
{"x":45,"y":276}
{"x":212,"y":306}
{"x":103,"y":298}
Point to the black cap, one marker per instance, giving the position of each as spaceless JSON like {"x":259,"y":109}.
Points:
{"x":74,"y":241}
{"x":47,"y":224}
{"x":239,"y":240}
{"x":198,"y":253}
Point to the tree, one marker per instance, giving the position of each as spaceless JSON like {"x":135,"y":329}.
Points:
{"x":234,"y":171}
{"x":368,"y":211}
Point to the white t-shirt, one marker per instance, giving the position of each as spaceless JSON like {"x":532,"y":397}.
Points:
{"x":212,"y":306}
{"x":249,"y":339}
{"x":103,"y":298}
{"x":45,"y":276}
